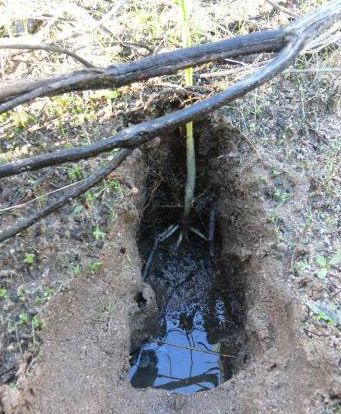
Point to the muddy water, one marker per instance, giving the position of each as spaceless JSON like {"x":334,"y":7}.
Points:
{"x":185,"y":356}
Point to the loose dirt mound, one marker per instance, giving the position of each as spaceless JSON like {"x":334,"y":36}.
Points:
{"x":83,"y":364}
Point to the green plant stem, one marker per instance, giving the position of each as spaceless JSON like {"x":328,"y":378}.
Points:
{"x":190,"y":150}
{"x":191,"y":169}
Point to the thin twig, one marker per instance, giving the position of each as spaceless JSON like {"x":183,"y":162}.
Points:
{"x":281,"y":8}
{"x":245,"y":67}
{"x":2,"y":210}
{"x":47,"y":48}
{"x":18,"y":338}
{"x":125,"y":43}
{"x":66,"y":198}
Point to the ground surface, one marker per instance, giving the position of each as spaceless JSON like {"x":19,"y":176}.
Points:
{"x":68,"y":285}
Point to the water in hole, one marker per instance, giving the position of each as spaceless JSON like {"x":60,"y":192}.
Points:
{"x":187,"y":354}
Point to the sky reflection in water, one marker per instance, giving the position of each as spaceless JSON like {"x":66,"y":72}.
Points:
{"x":182,"y":361}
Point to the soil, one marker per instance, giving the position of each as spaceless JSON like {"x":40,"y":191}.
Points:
{"x":198,"y":319}
{"x":73,"y":303}
{"x":91,"y":323}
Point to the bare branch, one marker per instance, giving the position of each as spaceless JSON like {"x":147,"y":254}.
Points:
{"x":145,"y":68}
{"x":138,"y":134}
{"x":171,"y":62}
{"x":66,"y":198}
{"x":294,"y":36}
{"x":47,"y":48}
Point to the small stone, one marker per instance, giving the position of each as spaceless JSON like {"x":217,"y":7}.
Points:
{"x":133,"y":191}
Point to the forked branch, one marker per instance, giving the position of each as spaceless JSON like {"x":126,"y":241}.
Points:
{"x":46,"y":48}
{"x":138,"y":134}
{"x":294,"y":36}
{"x":146,"y":68}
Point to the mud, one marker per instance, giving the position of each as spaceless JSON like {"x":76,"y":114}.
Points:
{"x":92,"y":326}
{"x":197,"y":339}
{"x":184,"y":355}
